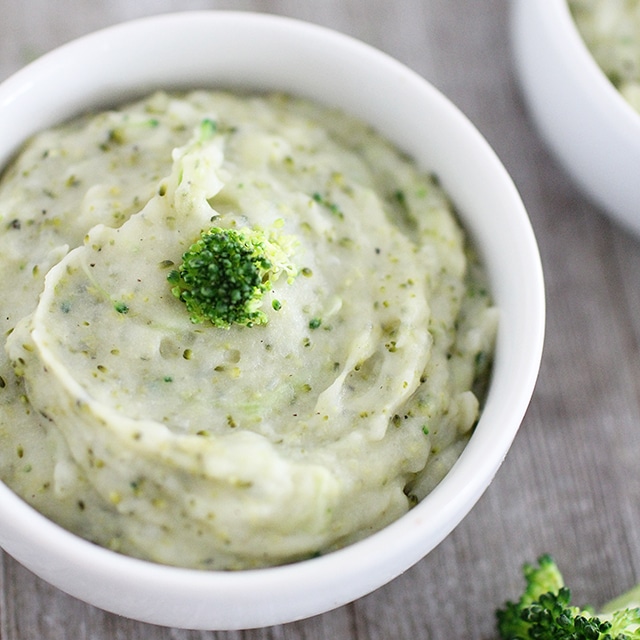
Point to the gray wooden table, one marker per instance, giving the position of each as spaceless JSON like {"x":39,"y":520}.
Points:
{"x":571,"y":483}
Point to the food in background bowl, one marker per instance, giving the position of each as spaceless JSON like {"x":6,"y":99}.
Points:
{"x":611,"y":31}
{"x":246,"y":330}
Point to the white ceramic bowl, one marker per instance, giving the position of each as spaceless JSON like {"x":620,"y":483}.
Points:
{"x":242,"y":50}
{"x":581,"y":116}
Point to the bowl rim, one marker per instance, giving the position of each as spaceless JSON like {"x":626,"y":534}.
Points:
{"x":355,"y":557}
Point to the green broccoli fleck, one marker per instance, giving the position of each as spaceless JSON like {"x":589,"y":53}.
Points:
{"x":331,"y":206}
{"x":544,"y":611}
{"x":208,"y":128}
{"x":225,"y":274}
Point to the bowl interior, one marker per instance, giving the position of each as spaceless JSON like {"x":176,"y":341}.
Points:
{"x":257,"y":52}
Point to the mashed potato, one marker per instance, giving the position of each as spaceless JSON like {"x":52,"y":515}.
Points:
{"x":611,"y":31}
{"x":230,"y":448}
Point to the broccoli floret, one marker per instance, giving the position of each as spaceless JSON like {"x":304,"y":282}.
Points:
{"x":225,"y":274}
{"x":544,"y":611}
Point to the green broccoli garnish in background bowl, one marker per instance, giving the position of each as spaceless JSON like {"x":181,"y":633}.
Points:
{"x":226,"y":272}
{"x":544,"y":611}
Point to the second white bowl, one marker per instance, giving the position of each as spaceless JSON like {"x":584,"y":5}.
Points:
{"x":581,"y":116}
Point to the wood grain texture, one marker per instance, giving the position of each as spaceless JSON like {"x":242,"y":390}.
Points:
{"x":571,"y":483}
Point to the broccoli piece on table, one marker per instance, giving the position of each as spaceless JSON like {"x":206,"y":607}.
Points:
{"x":225,"y":274}
{"x":544,"y":611}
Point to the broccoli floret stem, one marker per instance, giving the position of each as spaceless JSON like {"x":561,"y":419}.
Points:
{"x":628,"y":600}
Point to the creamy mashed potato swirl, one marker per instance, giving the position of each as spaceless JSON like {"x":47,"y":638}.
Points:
{"x":206,"y":447}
